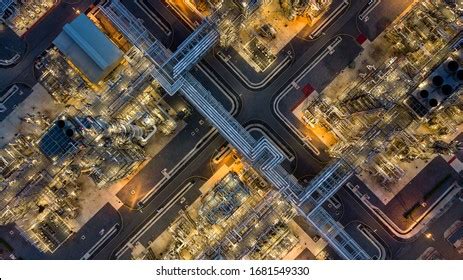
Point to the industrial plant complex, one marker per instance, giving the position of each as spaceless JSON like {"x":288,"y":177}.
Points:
{"x":231,"y":130}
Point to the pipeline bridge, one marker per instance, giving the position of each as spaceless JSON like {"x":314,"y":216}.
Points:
{"x":171,"y":71}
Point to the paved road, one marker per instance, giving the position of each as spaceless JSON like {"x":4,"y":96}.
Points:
{"x":354,"y":210}
{"x":38,"y":40}
{"x":305,"y":164}
{"x":10,"y":44}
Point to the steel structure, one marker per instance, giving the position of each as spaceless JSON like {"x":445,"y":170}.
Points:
{"x":193,"y":48}
{"x":171,"y":71}
{"x":4,"y":4}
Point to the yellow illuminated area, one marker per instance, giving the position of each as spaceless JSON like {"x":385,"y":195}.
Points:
{"x":231,"y":130}
{"x":257,"y":35}
{"x":325,"y":135}
{"x":238,"y":216}
{"x":387,"y":113}
{"x":187,"y":11}
{"x":108,"y":27}
{"x":273,"y":15}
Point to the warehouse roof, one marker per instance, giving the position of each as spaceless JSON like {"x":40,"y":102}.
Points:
{"x":88,"y":48}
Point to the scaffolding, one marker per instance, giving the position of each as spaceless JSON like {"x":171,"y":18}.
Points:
{"x":128,"y":25}
{"x":4,"y":5}
{"x":171,"y":71}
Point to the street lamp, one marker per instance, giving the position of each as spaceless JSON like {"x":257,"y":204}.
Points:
{"x":429,"y":235}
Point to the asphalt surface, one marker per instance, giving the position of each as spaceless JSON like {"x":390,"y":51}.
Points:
{"x":421,"y":188}
{"x":10,"y":98}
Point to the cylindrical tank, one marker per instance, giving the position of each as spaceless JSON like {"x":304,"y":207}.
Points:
{"x":61,"y":123}
{"x":69,"y":132}
{"x":452,"y":66}
{"x":446,"y":90}
{"x":437,"y":81}
{"x":66,"y":126}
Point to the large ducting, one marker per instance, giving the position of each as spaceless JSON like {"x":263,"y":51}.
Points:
{"x":424,"y":94}
{"x":61,"y":123}
{"x":67,"y":127}
{"x":433,"y":102}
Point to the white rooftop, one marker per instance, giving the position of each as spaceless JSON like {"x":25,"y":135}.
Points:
{"x":88,"y":48}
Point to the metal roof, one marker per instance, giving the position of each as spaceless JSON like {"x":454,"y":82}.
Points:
{"x":88,"y":48}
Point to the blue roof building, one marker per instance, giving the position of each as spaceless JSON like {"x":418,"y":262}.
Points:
{"x":89,"y":49}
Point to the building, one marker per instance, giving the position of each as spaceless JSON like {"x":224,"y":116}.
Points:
{"x":89,"y":49}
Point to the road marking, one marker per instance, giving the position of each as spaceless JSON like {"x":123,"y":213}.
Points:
{"x":165,"y":173}
{"x":295,"y":85}
{"x":246,"y":80}
{"x":370,"y":237}
{"x":10,"y":93}
{"x":100,"y":242}
{"x":456,"y":164}
{"x":282,"y":147}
